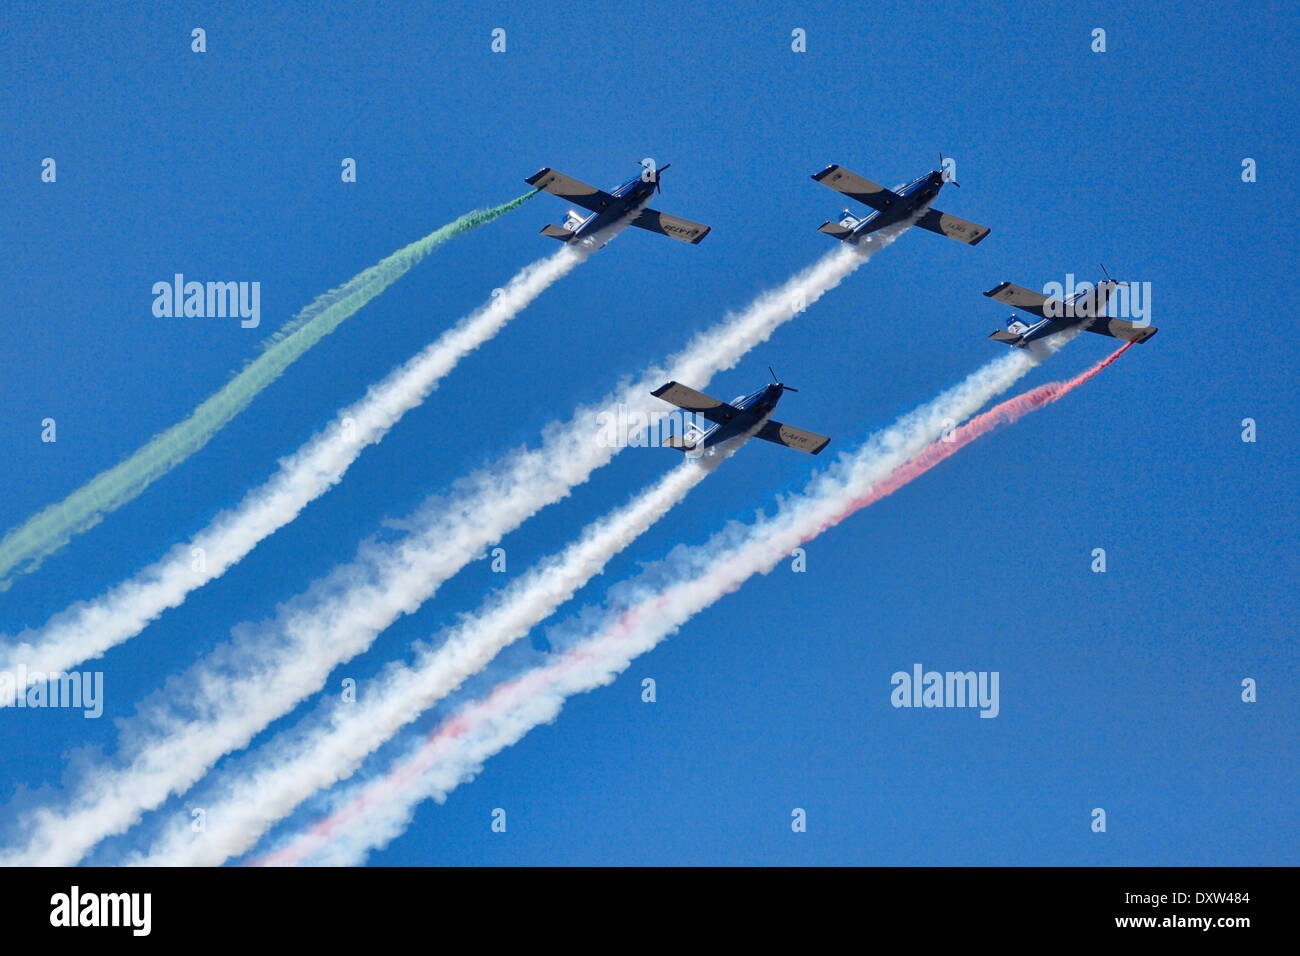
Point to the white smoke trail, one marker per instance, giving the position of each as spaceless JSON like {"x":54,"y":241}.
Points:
{"x":89,"y":629}
{"x":649,"y":609}
{"x":245,"y":805}
{"x":221,"y":703}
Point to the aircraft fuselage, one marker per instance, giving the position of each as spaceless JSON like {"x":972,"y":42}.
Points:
{"x":754,"y":408}
{"x":914,"y":199}
{"x":626,"y":198}
{"x":1083,"y":308}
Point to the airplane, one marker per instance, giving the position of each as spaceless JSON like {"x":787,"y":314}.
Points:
{"x":608,"y":208}
{"x":890,"y":207}
{"x":741,"y":416}
{"x":1086,"y":308}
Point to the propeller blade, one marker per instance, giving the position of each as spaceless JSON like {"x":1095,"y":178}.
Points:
{"x":777,"y":381}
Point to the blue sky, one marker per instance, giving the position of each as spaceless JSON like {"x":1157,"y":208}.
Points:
{"x":1119,"y":690}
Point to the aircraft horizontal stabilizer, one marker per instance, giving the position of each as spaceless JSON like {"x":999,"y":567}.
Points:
{"x":557,"y":232}
{"x":835,"y":229}
{"x":1002,"y":335}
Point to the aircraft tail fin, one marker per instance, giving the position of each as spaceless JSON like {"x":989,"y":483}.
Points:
{"x":558,"y":232}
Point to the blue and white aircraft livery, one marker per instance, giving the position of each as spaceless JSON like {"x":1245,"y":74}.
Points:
{"x":607,"y":209}
{"x":748,"y":416}
{"x":1086,"y":308}
{"x":889,"y":207}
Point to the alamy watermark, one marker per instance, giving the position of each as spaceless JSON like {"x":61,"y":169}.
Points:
{"x":1085,"y":300}
{"x":210,"y":300}
{"x":57,"y":689}
{"x":624,"y":427}
{"x":923,"y":688}
{"x":75,"y":908}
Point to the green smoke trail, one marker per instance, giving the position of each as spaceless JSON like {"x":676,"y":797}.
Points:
{"x":26,"y":546}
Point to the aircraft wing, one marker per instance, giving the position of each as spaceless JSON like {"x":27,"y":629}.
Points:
{"x":1018,"y":297}
{"x":711,"y":408}
{"x":792,"y":437}
{"x":946,"y":224}
{"x":667,"y":225}
{"x":558,"y":184}
{"x":855,"y":187}
{"x":1121,"y":329}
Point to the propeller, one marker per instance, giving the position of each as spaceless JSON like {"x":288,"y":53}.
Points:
{"x":657,"y":173}
{"x":941,"y":173}
{"x":778,"y":381}
{"x":1106,"y":273}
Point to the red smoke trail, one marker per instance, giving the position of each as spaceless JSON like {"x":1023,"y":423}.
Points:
{"x":1005,"y":413}
{"x":510,"y":693}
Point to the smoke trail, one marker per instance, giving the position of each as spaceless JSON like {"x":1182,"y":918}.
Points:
{"x":89,"y":629}
{"x":1005,"y":413}
{"x":661,"y":601}
{"x":221,"y":703}
{"x":333,"y":747}
{"x":24,"y":548}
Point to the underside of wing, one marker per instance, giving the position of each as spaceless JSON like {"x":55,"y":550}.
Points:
{"x":793,"y":437}
{"x":667,"y":225}
{"x":558,"y":184}
{"x":855,"y":187}
{"x":711,"y":408}
{"x":1018,"y":297}
{"x":946,"y":224}
{"x":1121,"y":329}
